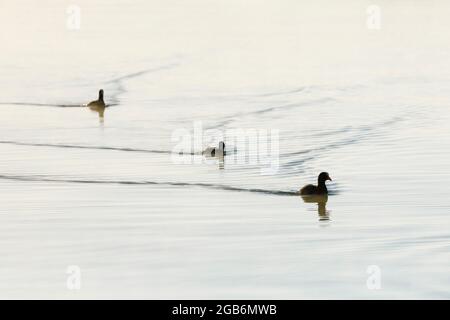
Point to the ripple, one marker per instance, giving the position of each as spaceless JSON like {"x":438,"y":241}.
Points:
{"x":166,"y":183}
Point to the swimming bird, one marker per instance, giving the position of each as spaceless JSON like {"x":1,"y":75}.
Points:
{"x":215,"y":152}
{"x":99,"y":103}
{"x":321,"y":188}
{"x":98,"y":106}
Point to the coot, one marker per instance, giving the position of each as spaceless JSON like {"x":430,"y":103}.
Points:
{"x":97,"y":103}
{"x":321,"y":188}
{"x":215,"y":152}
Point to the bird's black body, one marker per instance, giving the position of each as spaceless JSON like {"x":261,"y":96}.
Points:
{"x":320,"y":189}
{"x":215,"y":152}
{"x":100,"y":103}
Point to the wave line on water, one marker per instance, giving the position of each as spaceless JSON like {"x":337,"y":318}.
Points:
{"x":34,"y":104}
{"x":70,"y":146}
{"x":145,"y":182}
{"x":283,"y":107}
{"x":358,"y":135}
{"x":117,"y":81}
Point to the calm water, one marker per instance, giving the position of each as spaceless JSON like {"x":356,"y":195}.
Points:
{"x":371,"y":107}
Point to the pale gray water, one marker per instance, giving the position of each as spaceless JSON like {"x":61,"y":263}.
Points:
{"x":371,"y":107}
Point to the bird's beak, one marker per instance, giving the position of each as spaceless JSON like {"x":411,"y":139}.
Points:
{"x":329,"y":178}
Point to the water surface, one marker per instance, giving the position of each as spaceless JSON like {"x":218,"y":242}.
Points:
{"x":371,"y":107}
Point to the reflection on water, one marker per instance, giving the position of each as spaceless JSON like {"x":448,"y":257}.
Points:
{"x":321,"y":201}
{"x":100,"y":110}
{"x":221,"y":163}
{"x":218,"y":157}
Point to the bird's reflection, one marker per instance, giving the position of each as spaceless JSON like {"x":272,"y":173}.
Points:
{"x":321,"y":201}
{"x":221,"y":162}
{"x":100,"y":110}
{"x":219,"y":157}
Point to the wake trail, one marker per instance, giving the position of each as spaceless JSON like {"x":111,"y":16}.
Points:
{"x":145,"y":182}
